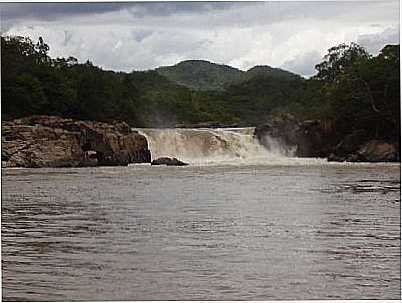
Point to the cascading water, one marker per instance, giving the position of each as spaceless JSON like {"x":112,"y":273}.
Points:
{"x":214,"y":146}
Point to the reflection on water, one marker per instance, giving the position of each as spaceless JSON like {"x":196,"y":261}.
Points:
{"x":201,"y":233}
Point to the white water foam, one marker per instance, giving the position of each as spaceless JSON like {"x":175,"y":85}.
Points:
{"x":221,"y":146}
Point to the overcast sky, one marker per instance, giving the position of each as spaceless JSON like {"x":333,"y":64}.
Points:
{"x":140,"y":36}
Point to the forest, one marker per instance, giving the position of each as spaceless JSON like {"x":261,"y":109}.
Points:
{"x":352,"y":88}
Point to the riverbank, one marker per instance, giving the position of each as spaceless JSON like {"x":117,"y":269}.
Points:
{"x":51,"y":141}
{"x":316,"y":138}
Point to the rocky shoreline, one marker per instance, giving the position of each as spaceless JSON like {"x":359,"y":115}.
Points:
{"x":314,"y":138}
{"x":52,"y":141}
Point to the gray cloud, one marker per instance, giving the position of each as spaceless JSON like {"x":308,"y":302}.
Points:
{"x":51,"y":11}
{"x":144,"y":10}
{"x":304,"y":63}
{"x":140,"y":35}
{"x":375,"y":42}
{"x":127,"y":36}
{"x":13,"y":12}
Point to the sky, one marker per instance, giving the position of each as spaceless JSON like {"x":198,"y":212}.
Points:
{"x":140,"y":36}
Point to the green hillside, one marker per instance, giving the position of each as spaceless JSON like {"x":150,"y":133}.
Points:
{"x":265,"y":70}
{"x":204,"y":75}
{"x":201,"y":75}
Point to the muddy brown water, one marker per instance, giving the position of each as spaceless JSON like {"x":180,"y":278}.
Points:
{"x":263,"y":232}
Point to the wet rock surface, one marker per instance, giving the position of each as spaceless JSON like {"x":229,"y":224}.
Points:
{"x":370,"y":151}
{"x":375,"y":150}
{"x":315,"y":138}
{"x":168,"y":161}
{"x":51,"y":141}
{"x":307,"y":138}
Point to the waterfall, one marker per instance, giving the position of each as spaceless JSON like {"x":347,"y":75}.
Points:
{"x":213,"y":146}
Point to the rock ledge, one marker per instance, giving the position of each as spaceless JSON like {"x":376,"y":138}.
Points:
{"x":52,"y":141}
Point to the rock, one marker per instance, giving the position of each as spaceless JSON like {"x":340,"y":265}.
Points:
{"x":279,"y":132}
{"x":350,"y":143}
{"x":353,"y":158}
{"x":209,"y":124}
{"x":370,"y":151}
{"x":334,"y":158}
{"x":306,"y":138}
{"x":51,"y":141}
{"x":347,"y":147}
{"x":168,"y":161}
{"x":4,"y":156}
{"x":315,"y":138}
{"x":378,"y":151}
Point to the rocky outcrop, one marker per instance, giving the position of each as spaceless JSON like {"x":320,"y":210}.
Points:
{"x":305,"y":138}
{"x":371,"y":151}
{"x":350,"y":143}
{"x":168,"y":161}
{"x":51,"y":141}
{"x":314,"y":138}
{"x":378,"y":151}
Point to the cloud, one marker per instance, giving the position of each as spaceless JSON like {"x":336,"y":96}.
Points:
{"x":375,"y":42}
{"x":304,"y":63}
{"x":52,"y":11}
{"x":138,"y":36}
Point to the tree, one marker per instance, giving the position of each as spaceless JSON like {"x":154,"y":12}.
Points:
{"x":362,"y":91}
{"x":339,"y":61}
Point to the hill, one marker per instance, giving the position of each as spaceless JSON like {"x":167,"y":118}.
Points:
{"x":265,"y":70}
{"x":201,"y":75}
{"x":205,"y":76}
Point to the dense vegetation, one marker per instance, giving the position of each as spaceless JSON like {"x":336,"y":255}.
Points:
{"x":201,"y":75}
{"x":206,"y":76}
{"x":352,"y":89}
{"x":357,"y":91}
{"x":33,"y":83}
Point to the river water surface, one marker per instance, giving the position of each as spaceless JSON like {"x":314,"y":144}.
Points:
{"x":250,"y":232}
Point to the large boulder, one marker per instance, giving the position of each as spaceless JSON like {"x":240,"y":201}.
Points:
{"x":168,"y":161}
{"x":350,"y":143}
{"x":346,"y":149}
{"x":51,"y":141}
{"x":298,"y":138}
{"x":377,"y":151}
{"x":371,"y":151}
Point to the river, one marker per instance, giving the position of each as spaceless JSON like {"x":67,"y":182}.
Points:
{"x":287,"y":229}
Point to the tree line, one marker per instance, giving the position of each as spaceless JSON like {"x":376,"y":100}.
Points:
{"x":352,"y":89}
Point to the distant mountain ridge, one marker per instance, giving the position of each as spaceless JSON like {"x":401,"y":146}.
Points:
{"x":266,"y":70}
{"x":204,"y":75}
